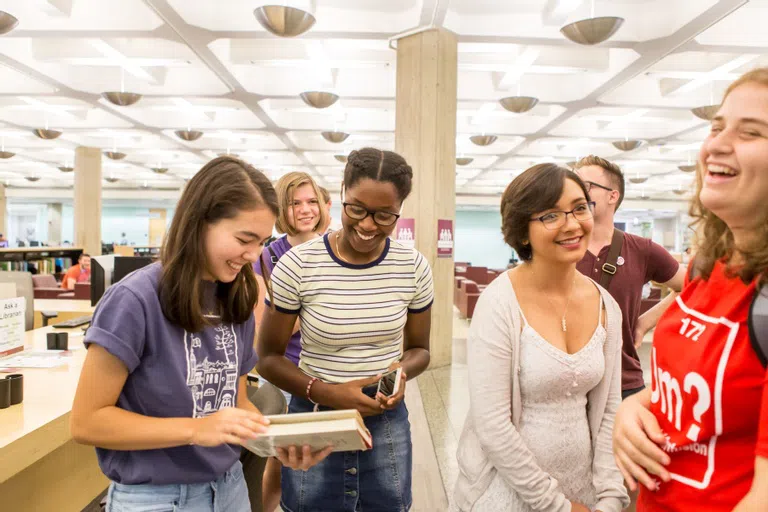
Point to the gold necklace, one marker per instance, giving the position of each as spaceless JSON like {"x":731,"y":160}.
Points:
{"x":338,"y":252}
{"x":567,"y":302}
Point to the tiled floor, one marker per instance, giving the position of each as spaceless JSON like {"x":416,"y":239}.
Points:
{"x":445,"y":401}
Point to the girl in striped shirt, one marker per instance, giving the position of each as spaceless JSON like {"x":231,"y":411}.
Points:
{"x":364,"y":303}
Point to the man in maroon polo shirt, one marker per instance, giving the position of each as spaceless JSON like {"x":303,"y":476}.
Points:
{"x":640,"y":261}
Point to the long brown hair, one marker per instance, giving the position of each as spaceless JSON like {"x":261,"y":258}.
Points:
{"x":221,"y":189}
{"x":716,"y":240}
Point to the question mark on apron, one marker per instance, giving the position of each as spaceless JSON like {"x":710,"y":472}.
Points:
{"x":703,"y":401}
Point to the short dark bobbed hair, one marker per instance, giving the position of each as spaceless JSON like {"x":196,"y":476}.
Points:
{"x":537,"y":189}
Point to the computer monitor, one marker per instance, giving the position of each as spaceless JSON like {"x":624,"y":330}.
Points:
{"x":102,"y":270}
{"x":124,"y":265}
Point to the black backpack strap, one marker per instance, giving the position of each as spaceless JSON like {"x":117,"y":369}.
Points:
{"x":758,"y":324}
{"x":611,"y":262}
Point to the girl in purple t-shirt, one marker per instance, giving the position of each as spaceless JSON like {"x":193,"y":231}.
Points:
{"x":162,"y":391}
{"x":299,"y":218}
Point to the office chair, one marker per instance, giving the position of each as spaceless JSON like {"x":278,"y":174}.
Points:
{"x":24,"y":288}
{"x":269,"y":400}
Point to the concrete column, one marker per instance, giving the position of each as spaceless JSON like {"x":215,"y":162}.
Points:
{"x":425,"y":134}
{"x":3,"y":212}
{"x":88,"y":199}
{"x":54,"y":224}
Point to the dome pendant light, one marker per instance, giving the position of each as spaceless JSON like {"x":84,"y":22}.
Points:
{"x":519,"y":104}
{"x":591,"y":31}
{"x":284,"y":21}
{"x":8,"y":22}
{"x":188,"y":135}
{"x":335,"y":137}
{"x":483,"y":140}
{"x":319,"y":99}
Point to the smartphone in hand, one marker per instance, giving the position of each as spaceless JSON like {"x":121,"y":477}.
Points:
{"x":389,"y":384}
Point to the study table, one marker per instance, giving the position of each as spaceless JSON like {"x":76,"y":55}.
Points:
{"x":41,"y":467}
{"x":66,"y":308}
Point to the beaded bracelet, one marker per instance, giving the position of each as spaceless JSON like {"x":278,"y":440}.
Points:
{"x":309,"y":388}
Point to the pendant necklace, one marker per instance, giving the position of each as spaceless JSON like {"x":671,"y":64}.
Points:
{"x":567,"y":302}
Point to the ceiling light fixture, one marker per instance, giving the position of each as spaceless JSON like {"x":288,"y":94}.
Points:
{"x":8,"y":22}
{"x":639,"y":179}
{"x":572,"y":163}
{"x":679,"y":191}
{"x":627,"y":145}
{"x":319,"y":99}
{"x":115,"y":155}
{"x":188,"y":135}
{"x":284,"y":21}
{"x":706,"y":112}
{"x":46,"y":134}
{"x":464,"y":160}
{"x":121,"y":99}
{"x":335,"y":137}
{"x":111,"y":179}
{"x":483,"y":140}
{"x":159,"y":170}
{"x":592,"y":30}
{"x":32,"y":178}
{"x":519,"y":104}
{"x":341,"y":158}
{"x":66,"y":168}
{"x":687,"y":168}
{"x":5,"y":155}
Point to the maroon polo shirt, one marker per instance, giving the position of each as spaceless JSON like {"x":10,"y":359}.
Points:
{"x":644,"y":261}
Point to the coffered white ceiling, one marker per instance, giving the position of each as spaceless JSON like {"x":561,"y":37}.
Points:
{"x":208,"y":65}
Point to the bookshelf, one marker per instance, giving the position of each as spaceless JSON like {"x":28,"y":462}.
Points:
{"x":44,"y":259}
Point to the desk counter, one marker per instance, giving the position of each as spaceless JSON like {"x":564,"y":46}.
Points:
{"x":41,"y":467}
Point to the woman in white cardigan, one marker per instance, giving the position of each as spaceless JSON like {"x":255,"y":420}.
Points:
{"x":544,"y":357}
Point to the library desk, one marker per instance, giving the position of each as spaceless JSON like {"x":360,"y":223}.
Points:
{"x":41,"y":467}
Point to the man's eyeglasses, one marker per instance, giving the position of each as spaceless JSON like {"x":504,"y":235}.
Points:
{"x":590,"y":184}
{"x":556,"y":220}
{"x":380,"y":217}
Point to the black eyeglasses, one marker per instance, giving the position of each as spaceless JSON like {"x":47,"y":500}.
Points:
{"x":380,"y":217}
{"x":591,"y":184}
{"x":556,"y":220}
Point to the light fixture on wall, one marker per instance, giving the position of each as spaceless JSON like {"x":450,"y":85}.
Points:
{"x":284,"y":21}
{"x":319,"y":99}
{"x":115,"y":155}
{"x":592,"y":30}
{"x":341,"y":158}
{"x":483,"y":140}
{"x":65,"y":168}
{"x":121,"y":99}
{"x":627,"y":144}
{"x":46,"y":134}
{"x":8,"y":22}
{"x":464,"y":160}
{"x":706,"y":112}
{"x":335,"y":137}
{"x":188,"y":135}
{"x":518,"y":104}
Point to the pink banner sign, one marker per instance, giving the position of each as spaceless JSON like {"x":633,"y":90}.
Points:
{"x":444,"y":238}
{"x":405,"y":232}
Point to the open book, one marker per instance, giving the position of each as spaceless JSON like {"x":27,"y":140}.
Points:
{"x":344,"y":430}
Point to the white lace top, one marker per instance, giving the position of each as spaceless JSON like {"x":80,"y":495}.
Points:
{"x":554,"y":423}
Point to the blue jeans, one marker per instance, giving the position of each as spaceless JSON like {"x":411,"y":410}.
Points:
{"x":227,"y":493}
{"x":377,"y":480}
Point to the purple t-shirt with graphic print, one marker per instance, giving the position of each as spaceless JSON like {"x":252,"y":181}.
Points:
{"x":171,"y":373}
{"x":278,"y":248}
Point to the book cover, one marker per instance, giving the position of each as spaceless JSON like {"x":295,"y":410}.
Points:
{"x":344,"y":430}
